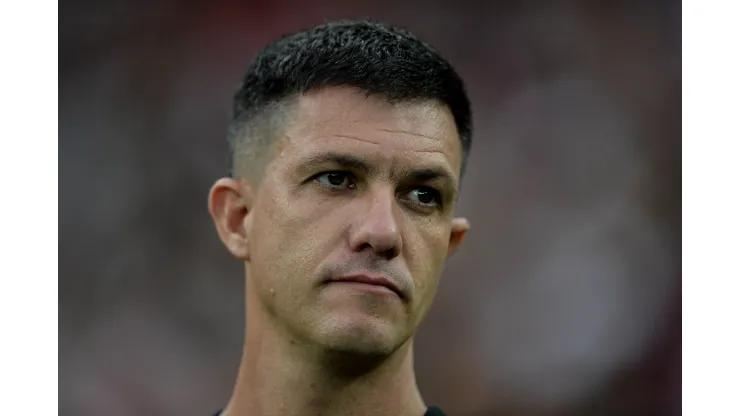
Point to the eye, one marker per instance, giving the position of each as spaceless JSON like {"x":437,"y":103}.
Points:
{"x":336,"y":180}
{"x":425,"y":196}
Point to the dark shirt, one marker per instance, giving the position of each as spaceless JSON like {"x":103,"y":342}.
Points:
{"x":431,"y":411}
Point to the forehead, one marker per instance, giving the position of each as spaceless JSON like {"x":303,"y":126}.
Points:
{"x":346,"y":119}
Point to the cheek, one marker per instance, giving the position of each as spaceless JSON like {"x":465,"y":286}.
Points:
{"x":427,"y":255}
{"x":426,"y":260}
{"x":284,"y":256}
{"x":292,"y":239}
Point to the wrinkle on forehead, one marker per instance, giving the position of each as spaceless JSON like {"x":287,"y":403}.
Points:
{"x":346,"y":113}
{"x":435,"y":148}
{"x":408,"y":132}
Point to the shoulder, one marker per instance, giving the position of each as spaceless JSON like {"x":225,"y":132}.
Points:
{"x":434,"y":411}
{"x":431,"y":411}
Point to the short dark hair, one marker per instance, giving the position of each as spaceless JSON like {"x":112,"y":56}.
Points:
{"x":377,"y":58}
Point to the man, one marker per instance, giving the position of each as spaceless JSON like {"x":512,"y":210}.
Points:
{"x":348,"y":144}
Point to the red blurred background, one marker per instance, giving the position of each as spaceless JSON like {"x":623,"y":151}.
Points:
{"x":566,"y":296}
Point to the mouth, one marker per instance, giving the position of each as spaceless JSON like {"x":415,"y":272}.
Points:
{"x":374,"y":284}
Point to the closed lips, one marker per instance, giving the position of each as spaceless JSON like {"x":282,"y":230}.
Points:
{"x":371,"y":280}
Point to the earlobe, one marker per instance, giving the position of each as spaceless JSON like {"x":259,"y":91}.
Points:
{"x":458,"y":231}
{"x":228,"y":203}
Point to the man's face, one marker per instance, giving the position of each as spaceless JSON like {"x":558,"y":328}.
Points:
{"x":356,"y":189}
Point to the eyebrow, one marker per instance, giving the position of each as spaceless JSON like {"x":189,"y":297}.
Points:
{"x":428,"y":174}
{"x":350,"y":162}
{"x":338,"y":159}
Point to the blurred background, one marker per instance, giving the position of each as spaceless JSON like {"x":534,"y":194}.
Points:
{"x":565,"y":298}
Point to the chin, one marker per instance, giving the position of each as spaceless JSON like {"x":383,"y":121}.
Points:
{"x":354,"y":351}
{"x":361,"y":336}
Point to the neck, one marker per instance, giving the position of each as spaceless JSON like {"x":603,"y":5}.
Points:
{"x":279,"y":377}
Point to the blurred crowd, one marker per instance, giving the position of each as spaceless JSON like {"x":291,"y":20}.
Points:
{"x":565,"y":298}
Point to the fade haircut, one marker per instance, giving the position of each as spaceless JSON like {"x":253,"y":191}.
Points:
{"x":374,"y":57}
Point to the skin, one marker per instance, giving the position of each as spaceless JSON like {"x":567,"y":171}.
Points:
{"x":355,"y":185}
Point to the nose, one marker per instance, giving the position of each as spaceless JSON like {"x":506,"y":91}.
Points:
{"x":376,"y":228}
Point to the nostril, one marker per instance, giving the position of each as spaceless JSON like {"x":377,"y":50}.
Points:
{"x":389,"y":254}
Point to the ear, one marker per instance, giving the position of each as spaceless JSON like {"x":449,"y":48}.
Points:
{"x":229,"y":203}
{"x":458,"y":231}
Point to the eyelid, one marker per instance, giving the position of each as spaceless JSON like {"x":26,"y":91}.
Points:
{"x":324,"y":172}
{"x":349,"y":176}
{"x":437,"y":193}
